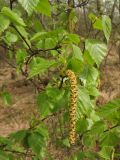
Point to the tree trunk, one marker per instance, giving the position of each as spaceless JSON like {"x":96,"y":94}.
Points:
{"x":113,"y":9}
{"x":99,"y":10}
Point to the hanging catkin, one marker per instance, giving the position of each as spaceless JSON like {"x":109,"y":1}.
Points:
{"x":73,"y":105}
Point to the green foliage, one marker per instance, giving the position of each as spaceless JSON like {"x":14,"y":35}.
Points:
{"x":39,"y":66}
{"x":12,"y":16}
{"x":4,"y":23}
{"x":6,"y":97}
{"x":43,"y":51}
{"x":96,"y":49}
{"x":28,"y":5}
{"x":44,"y":7}
{"x":106,"y":23}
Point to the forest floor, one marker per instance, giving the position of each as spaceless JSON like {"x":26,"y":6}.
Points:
{"x":16,"y":116}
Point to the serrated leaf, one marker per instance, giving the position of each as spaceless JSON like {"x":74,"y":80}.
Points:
{"x":7,"y":99}
{"x":19,"y":136}
{"x":38,"y":36}
{"x":11,"y":37}
{"x":36,"y":142}
{"x":107,"y":26}
{"x":97,"y":128}
{"x":29,"y":5}
{"x":84,"y":103}
{"x":12,"y":16}
{"x":77,"y":53}
{"x":73,"y":38}
{"x":106,"y":152}
{"x":40,"y":67}
{"x":109,"y":108}
{"x":96,"y":22}
{"x":81,"y":126}
{"x":44,"y":105}
{"x":66,"y":142}
{"x":109,"y":139}
{"x":44,"y":7}
{"x":20,"y":56}
{"x":4,"y":23}
{"x":96,"y":49}
{"x":89,"y":75}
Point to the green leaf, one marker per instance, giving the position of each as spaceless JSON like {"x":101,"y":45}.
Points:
{"x":84,"y":103}
{"x":38,"y":36}
{"x":4,"y":156}
{"x":66,"y":142}
{"x":44,"y":7}
{"x":28,"y":5}
{"x":109,"y":139}
{"x":4,"y":23}
{"x":88,"y":58}
{"x":89,"y":75}
{"x":106,"y":152}
{"x":96,"y":22}
{"x":98,"y":128}
{"x":10,"y":37}
{"x":20,"y":56}
{"x":107,"y":26}
{"x":50,"y":43}
{"x":36,"y":142}
{"x":97,"y":50}
{"x":74,"y":38}
{"x":7,"y":99}
{"x":75,"y":65}
{"x":19,"y":136}
{"x":44,"y":105}
{"x":77,"y":53}
{"x":81,"y":126}
{"x":12,"y":16}
{"x":40,"y":67}
{"x":107,"y":109}
{"x":92,"y":90}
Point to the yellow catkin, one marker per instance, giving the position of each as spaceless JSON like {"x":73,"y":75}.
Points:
{"x":73,"y":105}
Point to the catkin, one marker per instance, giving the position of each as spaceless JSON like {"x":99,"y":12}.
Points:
{"x":73,"y":105}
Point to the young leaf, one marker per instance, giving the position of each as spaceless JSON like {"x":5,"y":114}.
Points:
{"x":96,"y":22}
{"x":77,"y":53}
{"x":89,"y":75}
{"x":97,"y":50}
{"x":44,"y":7}
{"x":36,"y":142}
{"x":106,"y":152}
{"x":44,"y":105}
{"x":20,"y":56}
{"x":40,"y":67}
{"x":107,"y":26}
{"x":84,"y":103}
{"x":7,"y":99}
{"x":10,"y":38}
{"x":28,"y":5}
{"x":12,"y":16}
{"x":109,"y":108}
{"x":4,"y":23}
{"x":81,"y":126}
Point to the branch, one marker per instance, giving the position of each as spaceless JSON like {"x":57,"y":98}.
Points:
{"x":36,"y":52}
{"x":19,"y":153}
{"x":83,"y":3}
{"x":117,"y":125}
{"x":23,"y":38}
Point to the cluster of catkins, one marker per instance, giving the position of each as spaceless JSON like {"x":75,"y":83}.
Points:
{"x":73,"y":105}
